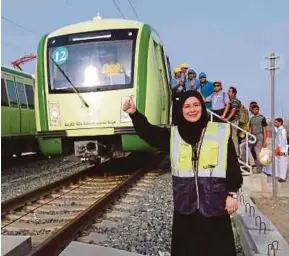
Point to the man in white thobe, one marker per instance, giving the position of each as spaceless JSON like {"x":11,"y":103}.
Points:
{"x":282,"y":157}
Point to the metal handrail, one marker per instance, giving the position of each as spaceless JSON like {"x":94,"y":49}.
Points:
{"x":236,"y":126}
{"x":251,"y":141}
{"x":247,"y":139}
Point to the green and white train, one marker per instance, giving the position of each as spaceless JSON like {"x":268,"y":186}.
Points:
{"x":18,"y":128}
{"x":84,"y":74}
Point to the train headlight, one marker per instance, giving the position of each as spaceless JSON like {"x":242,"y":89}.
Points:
{"x":90,"y":76}
{"x":54,"y":113}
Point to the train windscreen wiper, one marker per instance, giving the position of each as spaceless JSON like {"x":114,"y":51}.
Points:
{"x":69,"y":81}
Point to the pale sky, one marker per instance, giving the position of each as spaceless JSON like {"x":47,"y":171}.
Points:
{"x":226,"y":39}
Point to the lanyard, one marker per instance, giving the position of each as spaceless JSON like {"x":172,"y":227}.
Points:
{"x":196,"y":152}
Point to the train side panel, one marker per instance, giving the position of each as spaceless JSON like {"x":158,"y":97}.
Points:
{"x":17,"y":113}
{"x":149,"y":91}
{"x":155,"y":90}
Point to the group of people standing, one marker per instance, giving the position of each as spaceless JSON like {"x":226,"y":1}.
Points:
{"x":228,"y":107}
{"x":224,"y":104}
{"x":257,"y":126}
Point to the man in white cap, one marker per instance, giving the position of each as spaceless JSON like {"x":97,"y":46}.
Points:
{"x":184,"y":68}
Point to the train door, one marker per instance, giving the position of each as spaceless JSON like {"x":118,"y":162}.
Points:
{"x":31,"y":107}
{"x":4,"y":109}
{"x":14,"y":110}
{"x":23,"y":106}
{"x":163,"y":80}
{"x":168,"y":64}
{"x":167,"y":85}
{"x":169,"y":69}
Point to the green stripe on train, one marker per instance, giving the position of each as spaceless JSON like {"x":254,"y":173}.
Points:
{"x":15,"y":72}
{"x":142,"y":68}
{"x":41,"y":85}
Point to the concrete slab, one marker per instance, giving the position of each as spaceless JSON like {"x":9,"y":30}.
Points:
{"x":15,"y":245}
{"x":135,"y":193}
{"x":123,"y":206}
{"x":248,"y":245}
{"x":105,"y":224}
{"x":35,"y":217}
{"x":251,"y":221}
{"x":252,"y":240}
{"x":129,"y":200}
{"x":116,"y":214}
{"x":77,"y":248}
{"x":263,"y":239}
{"x":92,"y":237}
{"x":63,"y":202}
{"x":139,"y":189}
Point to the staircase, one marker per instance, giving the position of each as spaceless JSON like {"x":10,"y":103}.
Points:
{"x":246,"y":168}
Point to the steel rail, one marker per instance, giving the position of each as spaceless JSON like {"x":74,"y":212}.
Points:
{"x":31,"y":196}
{"x":61,"y":238}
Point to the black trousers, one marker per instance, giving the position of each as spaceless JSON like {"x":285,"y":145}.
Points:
{"x":197,"y":235}
{"x":176,"y":108}
{"x":220,"y":113}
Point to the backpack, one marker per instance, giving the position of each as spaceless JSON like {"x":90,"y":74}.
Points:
{"x":244,"y":115}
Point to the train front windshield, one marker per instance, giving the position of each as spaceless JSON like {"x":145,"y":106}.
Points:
{"x":94,"y":61}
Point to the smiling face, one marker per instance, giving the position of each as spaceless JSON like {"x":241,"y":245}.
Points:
{"x":192,"y":109}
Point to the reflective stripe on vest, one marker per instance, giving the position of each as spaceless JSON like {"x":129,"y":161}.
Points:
{"x":213,"y":155}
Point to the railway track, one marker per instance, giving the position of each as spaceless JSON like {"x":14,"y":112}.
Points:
{"x":56,"y":214}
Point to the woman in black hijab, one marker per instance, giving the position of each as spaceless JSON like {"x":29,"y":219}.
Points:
{"x":204,"y":194}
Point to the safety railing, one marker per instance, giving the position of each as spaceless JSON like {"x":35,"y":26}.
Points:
{"x":247,"y":142}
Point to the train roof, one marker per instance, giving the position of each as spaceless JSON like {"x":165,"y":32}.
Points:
{"x":16,"y":72}
{"x":98,"y":23}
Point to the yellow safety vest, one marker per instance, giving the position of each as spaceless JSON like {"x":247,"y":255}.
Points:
{"x":213,"y":152}
{"x":112,"y":69}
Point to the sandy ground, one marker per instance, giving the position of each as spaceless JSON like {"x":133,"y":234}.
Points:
{"x":277,"y":212}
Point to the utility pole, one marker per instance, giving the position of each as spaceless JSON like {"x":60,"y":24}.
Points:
{"x":272,"y":68}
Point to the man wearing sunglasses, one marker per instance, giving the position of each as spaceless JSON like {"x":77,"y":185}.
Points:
{"x":220,"y":100}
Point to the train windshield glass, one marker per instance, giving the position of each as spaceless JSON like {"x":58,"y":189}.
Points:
{"x":91,"y":63}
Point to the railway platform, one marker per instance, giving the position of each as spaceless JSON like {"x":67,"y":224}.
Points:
{"x":78,"y":248}
{"x":258,"y":234}
{"x":15,"y":245}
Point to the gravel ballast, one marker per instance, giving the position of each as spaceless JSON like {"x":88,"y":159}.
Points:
{"x":147,"y":229}
{"x":21,"y":179}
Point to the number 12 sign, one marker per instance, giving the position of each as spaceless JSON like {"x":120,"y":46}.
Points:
{"x":60,"y":55}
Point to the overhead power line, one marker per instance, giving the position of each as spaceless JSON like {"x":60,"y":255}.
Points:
{"x":133,"y":9}
{"x":119,"y":10}
{"x":13,"y":46}
{"x":20,"y":26}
